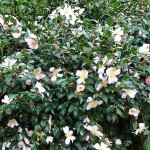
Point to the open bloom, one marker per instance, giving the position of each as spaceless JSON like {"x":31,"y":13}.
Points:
{"x":134,"y":112}
{"x":69,"y":135}
{"x":49,"y":139}
{"x":38,"y":74}
{"x":144,"y":49}
{"x":92,"y":103}
{"x":67,"y":11}
{"x":101,"y":146}
{"x":6,"y":100}
{"x":129,"y":92}
{"x":83,"y":74}
{"x":112,"y":73}
{"x":39,"y":87}
{"x":12,"y":123}
{"x":32,"y":43}
{"x":141,"y":128}
{"x":94,"y":130}
{"x":55,"y":73}
{"x":80,"y":88}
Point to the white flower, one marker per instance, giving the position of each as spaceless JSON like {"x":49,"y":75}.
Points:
{"x":32,"y":43}
{"x":49,"y":139}
{"x":5,"y":145}
{"x":129,"y":92}
{"x":86,"y":120}
{"x":99,"y":86}
{"x":80,"y":88}
{"x":17,"y":34}
{"x":29,"y":133}
{"x":94,"y":131}
{"x":107,"y":61}
{"x":53,"y":15}
{"x":22,"y":146}
{"x":9,"y":62}
{"x":118,"y":33}
{"x":134,"y":112}
{"x":141,"y":128}
{"x":101,"y":71}
{"x":144,"y":49}
{"x":39,"y":87}
{"x":28,"y":82}
{"x":50,"y":121}
{"x":92,"y":103}
{"x":38,"y":75}
{"x":6,"y":99}
{"x":112,"y":73}
{"x":69,"y":135}
{"x":1,"y":20}
{"x":96,"y":60}
{"x":118,"y":142}
{"x":101,"y":146}
{"x":55,"y":73}
{"x":20,"y":130}
{"x":12,"y":123}
{"x":67,"y":11}
{"x":83,"y":74}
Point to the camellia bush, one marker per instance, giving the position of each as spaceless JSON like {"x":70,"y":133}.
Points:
{"x":75,"y":75}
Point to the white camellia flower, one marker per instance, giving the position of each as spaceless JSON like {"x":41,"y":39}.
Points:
{"x":5,"y":145}
{"x":17,"y":34}
{"x":12,"y":123}
{"x":55,"y":73}
{"x":68,"y":134}
{"x":83,"y":74}
{"x":22,"y":145}
{"x":94,"y":131}
{"x":80,"y":88}
{"x":141,"y":128}
{"x":112,"y":73}
{"x":129,"y":92}
{"x":9,"y":62}
{"x":144,"y":49}
{"x":39,"y":87}
{"x":38,"y":74}
{"x":118,"y":142}
{"x":101,"y":146}
{"x":134,"y":112}
{"x":96,"y":60}
{"x":107,"y":61}
{"x":32,"y":43}
{"x":1,"y":20}
{"x":49,"y":139}
{"x":6,"y":100}
{"x":66,"y":11}
{"x":92,"y":103}
{"x":101,"y":71}
{"x":118,"y":33}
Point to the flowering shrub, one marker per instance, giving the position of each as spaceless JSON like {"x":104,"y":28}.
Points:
{"x":74,"y":75}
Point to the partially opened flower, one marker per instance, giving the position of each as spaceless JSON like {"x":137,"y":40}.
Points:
{"x":16,"y":34}
{"x":49,"y":139}
{"x":83,"y":74}
{"x":112,"y":73}
{"x":80,"y":88}
{"x":129,"y":92}
{"x":101,"y":71}
{"x":9,"y":62}
{"x":118,"y":142}
{"x":144,"y":49}
{"x":69,"y":135}
{"x":134,"y":112}
{"x":32,"y":43}
{"x":12,"y":123}
{"x":92,"y":103}
{"x":22,"y":146}
{"x":141,"y":128}
{"x":147,"y":81}
{"x":108,"y":142}
{"x":6,"y":100}
{"x":101,"y":146}
{"x":38,"y":74}
{"x":55,"y":73}
{"x":107,"y":61}
{"x":94,"y":131}
{"x":118,"y":33}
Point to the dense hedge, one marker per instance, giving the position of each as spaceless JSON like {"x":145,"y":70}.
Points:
{"x":75,"y":74}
